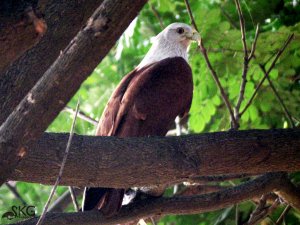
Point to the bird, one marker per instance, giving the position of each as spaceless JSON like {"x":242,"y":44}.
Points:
{"x":146,"y":102}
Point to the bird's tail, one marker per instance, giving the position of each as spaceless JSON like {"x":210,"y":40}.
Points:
{"x":106,"y":200}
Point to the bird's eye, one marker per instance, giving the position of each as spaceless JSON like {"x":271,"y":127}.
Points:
{"x":180,"y":30}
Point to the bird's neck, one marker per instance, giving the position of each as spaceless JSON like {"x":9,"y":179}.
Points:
{"x":162,"y":49}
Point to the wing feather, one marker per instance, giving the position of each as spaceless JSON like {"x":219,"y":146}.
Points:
{"x":147,"y":101}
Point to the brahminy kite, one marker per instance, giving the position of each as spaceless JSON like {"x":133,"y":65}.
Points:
{"x":147,"y":101}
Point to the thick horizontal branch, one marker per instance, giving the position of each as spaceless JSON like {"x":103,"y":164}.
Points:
{"x":117,"y":162}
{"x":174,"y":205}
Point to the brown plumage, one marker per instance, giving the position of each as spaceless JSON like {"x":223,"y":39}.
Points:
{"x":145,"y":103}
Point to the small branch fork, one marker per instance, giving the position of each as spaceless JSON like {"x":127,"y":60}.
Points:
{"x":262,"y":210}
{"x":289,"y":39}
{"x":246,"y":61}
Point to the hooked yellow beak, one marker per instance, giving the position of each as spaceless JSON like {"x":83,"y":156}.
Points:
{"x":194,"y":36}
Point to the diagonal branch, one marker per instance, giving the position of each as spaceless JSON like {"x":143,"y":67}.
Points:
{"x":262,"y":211}
{"x":66,"y":153}
{"x":13,"y":189}
{"x":28,"y":68}
{"x":289,"y":39}
{"x":156,"y":14}
{"x":283,"y":214}
{"x":81,"y":115}
{"x":203,"y":50}
{"x":62,"y":80}
{"x":286,"y":111}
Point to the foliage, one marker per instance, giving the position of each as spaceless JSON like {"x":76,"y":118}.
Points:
{"x":219,"y":27}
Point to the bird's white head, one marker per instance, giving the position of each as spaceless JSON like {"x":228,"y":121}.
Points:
{"x":173,"y":41}
{"x":180,"y":33}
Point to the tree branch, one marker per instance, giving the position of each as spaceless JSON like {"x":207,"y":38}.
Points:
{"x":203,"y":50}
{"x":81,"y":115}
{"x":283,"y":214}
{"x":132,"y":162}
{"x":61,"y":169}
{"x":156,"y":14}
{"x":267,"y":73}
{"x":174,"y":205}
{"x":62,"y":80}
{"x":283,"y":106}
{"x":247,"y":59}
{"x":28,"y":68}
{"x":17,"y":195}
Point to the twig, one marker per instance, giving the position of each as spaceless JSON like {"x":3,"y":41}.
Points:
{"x":283,"y":214}
{"x":188,"y":7}
{"x":156,"y":14}
{"x":296,"y":119}
{"x":228,"y":18}
{"x":247,"y":59}
{"x":267,"y":73}
{"x":15,"y":192}
{"x":262,"y":211}
{"x":81,"y":115}
{"x":287,"y":113}
{"x":242,"y":27}
{"x":74,"y":198}
{"x":43,"y":215}
{"x":253,"y":47}
{"x":203,"y":50}
{"x":236,"y":214}
{"x":63,"y":201}
{"x":152,"y":221}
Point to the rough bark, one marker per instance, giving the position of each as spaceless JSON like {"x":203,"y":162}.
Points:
{"x":17,"y":33}
{"x":64,"y":19}
{"x":62,"y":80}
{"x":174,"y":205}
{"x":122,"y":163}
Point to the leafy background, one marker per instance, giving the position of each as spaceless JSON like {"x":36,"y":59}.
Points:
{"x":219,"y":26}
